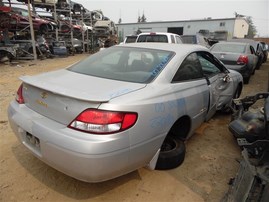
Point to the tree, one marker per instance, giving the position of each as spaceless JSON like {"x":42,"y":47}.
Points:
{"x":120,"y":20}
{"x":139,"y":19}
{"x":252,"y":31}
{"x":143,"y":18}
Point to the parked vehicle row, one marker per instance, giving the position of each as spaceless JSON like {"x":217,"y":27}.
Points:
{"x":242,"y":55}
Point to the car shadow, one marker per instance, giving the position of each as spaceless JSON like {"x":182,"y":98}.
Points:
{"x":64,"y":184}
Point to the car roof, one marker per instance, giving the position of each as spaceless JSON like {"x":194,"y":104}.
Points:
{"x":155,"y":33}
{"x":250,"y":41}
{"x":168,"y":47}
{"x":232,"y":42}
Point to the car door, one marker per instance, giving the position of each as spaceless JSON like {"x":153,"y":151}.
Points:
{"x":190,"y":84}
{"x":219,"y":83}
{"x":253,"y":57}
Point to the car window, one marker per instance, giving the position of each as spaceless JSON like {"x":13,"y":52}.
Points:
{"x":189,"y":39}
{"x":153,"y":38}
{"x":252,"y":50}
{"x":111,"y":59}
{"x":190,"y":69}
{"x":208,"y":63}
{"x":172,"y":39}
{"x":137,"y":65}
{"x":178,"y":39}
{"x":233,"y":48}
{"x":130,"y":39}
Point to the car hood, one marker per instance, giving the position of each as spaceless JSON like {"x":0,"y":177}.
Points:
{"x":80,"y":86}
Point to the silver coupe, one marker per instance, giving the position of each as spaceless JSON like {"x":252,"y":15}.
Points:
{"x":123,"y":108}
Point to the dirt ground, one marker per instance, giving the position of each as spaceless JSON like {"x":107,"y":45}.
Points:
{"x":211,"y":158}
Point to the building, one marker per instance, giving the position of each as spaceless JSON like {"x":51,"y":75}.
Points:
{"x":219,"y":29}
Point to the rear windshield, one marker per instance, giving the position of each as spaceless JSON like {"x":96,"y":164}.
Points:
{"x":232,"y":48}
{"x":153,"y":38}
{"x":137,"y":65}
{"x":189,"y":39}
{"x":130,"y":39}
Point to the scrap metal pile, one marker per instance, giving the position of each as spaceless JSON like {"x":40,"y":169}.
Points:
{"x":250,"y":127}
{"x":61,"y":27}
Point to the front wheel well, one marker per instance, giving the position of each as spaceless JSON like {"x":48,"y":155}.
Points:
{"x":181,"y":128}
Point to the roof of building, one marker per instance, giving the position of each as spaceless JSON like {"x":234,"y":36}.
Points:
{"x":175,"y":21}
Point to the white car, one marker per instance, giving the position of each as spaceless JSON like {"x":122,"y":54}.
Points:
{"x":159,"y":37}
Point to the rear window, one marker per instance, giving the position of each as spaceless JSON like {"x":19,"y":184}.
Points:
{"x":138,"y":65}
{"x":130,"y":39}
{"x":232,"y":48}
{"x":153,"y":38}
{"x":189,"y":39}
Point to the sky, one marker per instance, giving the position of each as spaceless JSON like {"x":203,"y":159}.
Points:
{"x":177,"y":10}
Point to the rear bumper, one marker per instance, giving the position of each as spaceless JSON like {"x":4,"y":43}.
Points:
{"x":87,"y":157}
{"x":244,"y":70}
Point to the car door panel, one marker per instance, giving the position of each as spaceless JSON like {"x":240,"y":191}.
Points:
{"x":190,"y":83}
{"x":219,"y":83}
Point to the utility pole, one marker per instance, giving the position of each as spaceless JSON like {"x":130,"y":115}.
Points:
{"x":32,"y":31}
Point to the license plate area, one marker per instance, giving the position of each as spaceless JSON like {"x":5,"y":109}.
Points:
{"x":33,"y":142}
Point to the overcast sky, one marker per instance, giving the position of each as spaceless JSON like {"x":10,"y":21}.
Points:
{"x":174,"y":10}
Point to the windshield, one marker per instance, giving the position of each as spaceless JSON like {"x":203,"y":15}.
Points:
{"x":137,"y":65}
{"x":232,"y":48}
{"x":153,"y":38}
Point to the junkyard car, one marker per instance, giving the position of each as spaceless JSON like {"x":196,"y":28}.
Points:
{"x":122,"y":108}
{"x":258,"y":47}
{"x":195,"y":39}
{"x":240,"y":57}
{"x":130,"y":39}
{"x":18,"y":18}
{"x":159,"y":37}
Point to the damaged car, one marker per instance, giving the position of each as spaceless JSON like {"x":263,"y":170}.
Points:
{"x":18,"y":18}
{"x":122,"y":108}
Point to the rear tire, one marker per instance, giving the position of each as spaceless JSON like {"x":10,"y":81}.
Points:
{"x":172,"y":154}
{"x":246,"y":80}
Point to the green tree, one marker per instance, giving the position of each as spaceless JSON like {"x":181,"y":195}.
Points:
{"x":139,"y":19}
{"x":252,"y":31}
{"x":143,"y":18}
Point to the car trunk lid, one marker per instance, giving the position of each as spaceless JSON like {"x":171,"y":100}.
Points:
{"x":62,"y":95}
{"x":227,"y":58}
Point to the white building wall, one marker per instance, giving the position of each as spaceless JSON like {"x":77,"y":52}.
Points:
{"x":235,"y":27}
{"x":240,"y":28}
{"x":221,"y":25}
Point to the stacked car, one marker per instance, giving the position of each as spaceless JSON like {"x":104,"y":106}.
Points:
{"x":52,"y":21}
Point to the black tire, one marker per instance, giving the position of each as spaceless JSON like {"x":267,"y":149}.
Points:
{"x":172,"y":154}
{"x":253,"y":72}
{"x":246,"y":80}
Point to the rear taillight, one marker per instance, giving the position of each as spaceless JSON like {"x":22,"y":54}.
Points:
{"x":103,"y":122}
{"x":243,"y":59}
{"x":19,"y":96}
